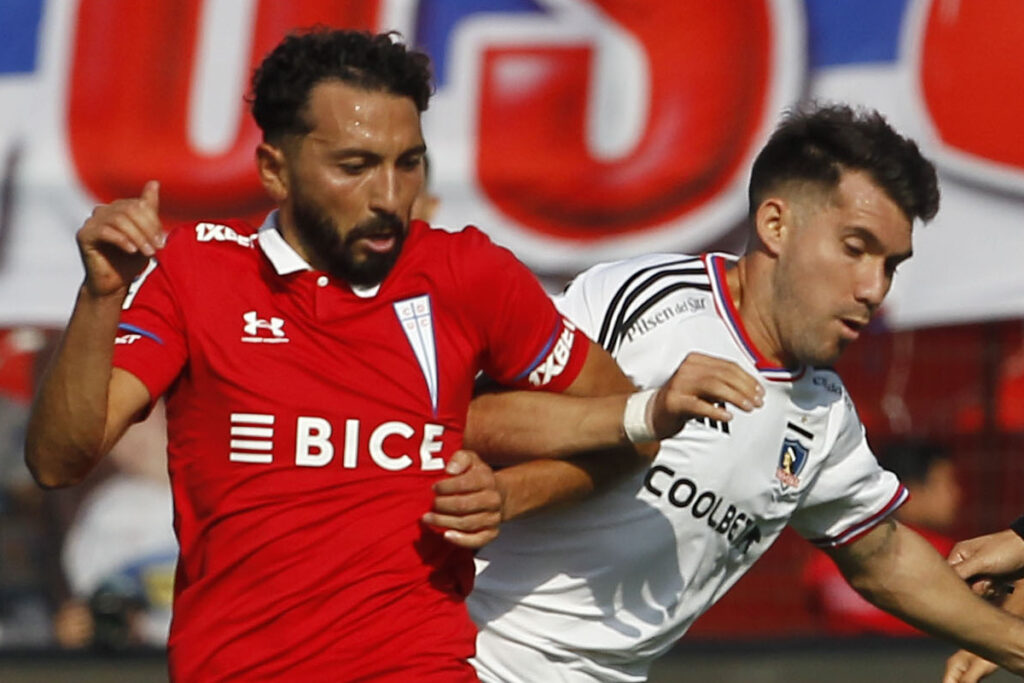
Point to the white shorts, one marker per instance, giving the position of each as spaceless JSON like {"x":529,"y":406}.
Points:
{"x":499,"y":660}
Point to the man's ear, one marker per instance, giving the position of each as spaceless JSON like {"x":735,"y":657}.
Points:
{"x":772,"y":223}
{"x":273,"y":170}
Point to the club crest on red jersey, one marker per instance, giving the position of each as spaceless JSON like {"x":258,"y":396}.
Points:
{"x":791,"y":462}
{"x":418,"y":324}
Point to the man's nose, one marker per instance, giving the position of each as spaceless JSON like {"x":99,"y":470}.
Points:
{"x":873,"y":284}
{"x":385,"y":191}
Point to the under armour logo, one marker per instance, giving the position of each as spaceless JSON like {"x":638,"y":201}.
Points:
{"x":255,"y":325}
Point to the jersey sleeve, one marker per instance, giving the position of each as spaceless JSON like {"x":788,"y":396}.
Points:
{"x":595,"y":299}
{"x":527,"y":343}
{"x":151,"y":335}
{"x":851,"y":493}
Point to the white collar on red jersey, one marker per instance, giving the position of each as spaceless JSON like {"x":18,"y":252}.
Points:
{"x":286,"y":260}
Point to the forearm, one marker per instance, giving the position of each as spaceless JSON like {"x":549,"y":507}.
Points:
{"x":515,"y":426}
{"x":541,"y":484}
{"x":66,"y":433}
{"x":898,"y":571}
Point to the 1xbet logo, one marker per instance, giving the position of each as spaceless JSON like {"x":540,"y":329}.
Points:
{"x":555,"y":363}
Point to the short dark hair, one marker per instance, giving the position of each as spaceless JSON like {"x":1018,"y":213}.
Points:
{"x":375,"y":62}
{"x":817,"y":143}
{"x":911,"y":459}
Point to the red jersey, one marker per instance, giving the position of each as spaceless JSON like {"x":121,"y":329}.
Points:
{"x":307,"y":421}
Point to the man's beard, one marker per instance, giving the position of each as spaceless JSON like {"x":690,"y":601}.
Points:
{"x":323,"y":241}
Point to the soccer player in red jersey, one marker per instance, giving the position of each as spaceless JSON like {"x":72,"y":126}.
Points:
{"x":317,"y":371}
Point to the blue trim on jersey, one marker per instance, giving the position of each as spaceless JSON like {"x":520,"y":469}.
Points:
{"x":540,"y":356}
{"x":138,"y":330}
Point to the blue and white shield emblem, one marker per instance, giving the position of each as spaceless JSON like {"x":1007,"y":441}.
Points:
{"x":791,"y":462}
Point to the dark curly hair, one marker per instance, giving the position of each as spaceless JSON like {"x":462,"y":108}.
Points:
{"x":817,"y":143}
{"x":283,"y":81}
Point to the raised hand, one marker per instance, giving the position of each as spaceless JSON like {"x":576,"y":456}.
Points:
{"x":696,"y":389}
{"x":118,"y":240}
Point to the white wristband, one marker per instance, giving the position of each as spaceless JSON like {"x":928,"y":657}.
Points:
{"x":636,"y":419}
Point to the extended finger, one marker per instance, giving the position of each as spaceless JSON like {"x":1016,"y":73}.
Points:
{"x":715,"y":379}
{"x":468,"y":523}
{"x":694,"y":406}
{"x":151,"y":195}
{"x":474,"y":479}
{"x":711,"y":389}
{"x":145,"y":217}
{"x":724,"y":390}
{"x":109,"y":234}
{"x":472,"y":540}
{"x":122,"y":222}
{"x":461,"y":461}
{"x":727,"y":370}
{"x":487,"y":500}
{"x":968,"y":567}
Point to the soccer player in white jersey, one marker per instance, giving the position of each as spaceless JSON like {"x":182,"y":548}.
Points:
{"x":597,"y":591}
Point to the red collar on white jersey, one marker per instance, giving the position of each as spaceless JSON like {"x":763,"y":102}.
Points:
{"x":716,"y":265}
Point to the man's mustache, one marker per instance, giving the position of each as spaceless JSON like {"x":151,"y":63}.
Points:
{"x":382,"y":225}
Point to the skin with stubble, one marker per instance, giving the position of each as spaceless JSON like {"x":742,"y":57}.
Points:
{"x":822,"y":261}
{"x":346,"y":189}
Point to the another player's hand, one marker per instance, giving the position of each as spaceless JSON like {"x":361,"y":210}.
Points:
{"x":696,"y":389}
{"x":468,"y":503}
{"x":993,"y":556}
{"x":966,"y":667}
{"x":118,"y":239}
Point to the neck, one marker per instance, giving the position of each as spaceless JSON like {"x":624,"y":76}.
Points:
{"x":750,"y":290}
{"x":286,"y":226}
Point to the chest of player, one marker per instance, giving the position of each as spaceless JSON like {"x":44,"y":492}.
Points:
{"x":306,"y":339}
{"x":301,"y":374}
{"x":739,"y":482}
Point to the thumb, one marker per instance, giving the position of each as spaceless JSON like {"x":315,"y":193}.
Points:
{"x":966,"y":567}
{"x":459,"y":462}
{"x":151,"y":195}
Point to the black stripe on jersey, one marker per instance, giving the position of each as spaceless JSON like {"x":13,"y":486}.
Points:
{"x":801,"y":431}
{"x":609,"y":315}
{"x":621,"y":327}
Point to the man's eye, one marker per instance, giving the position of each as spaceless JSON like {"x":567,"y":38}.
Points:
{"x":352,"y":169}
{"x":853,"y":248}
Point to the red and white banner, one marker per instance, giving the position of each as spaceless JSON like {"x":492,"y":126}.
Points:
{"x":573,"y":131}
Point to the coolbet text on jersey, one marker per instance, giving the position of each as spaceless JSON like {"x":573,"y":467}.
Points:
{"x":596,"y":592}
{"x":307,"y":421}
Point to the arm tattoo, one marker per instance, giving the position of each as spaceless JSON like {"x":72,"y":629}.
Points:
{"x":878,"y":543}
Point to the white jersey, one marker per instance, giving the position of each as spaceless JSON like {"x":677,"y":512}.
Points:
{"x":596,"y":592}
